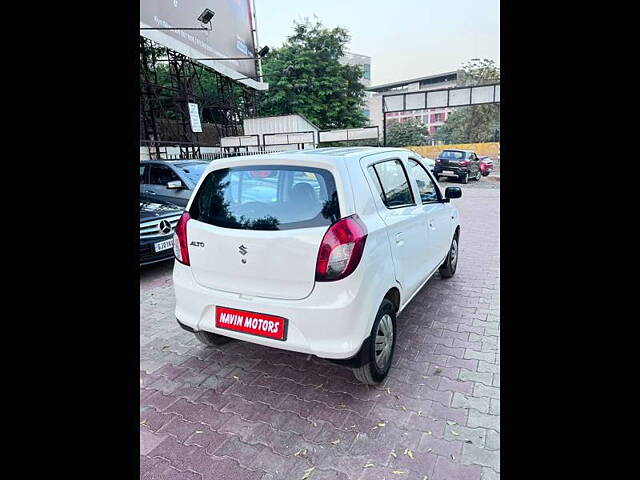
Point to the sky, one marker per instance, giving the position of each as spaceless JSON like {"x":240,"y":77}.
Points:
{"x":404,"y":38}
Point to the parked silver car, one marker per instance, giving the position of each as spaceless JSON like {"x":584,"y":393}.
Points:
{"x":170,"y":181}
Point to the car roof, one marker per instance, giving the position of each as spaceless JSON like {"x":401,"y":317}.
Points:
{"x":330,"y":152}
{"x":177,"y":162}
{"x":457,"y":150}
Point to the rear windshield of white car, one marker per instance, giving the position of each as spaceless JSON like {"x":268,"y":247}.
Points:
{"x":452,"y":154}
{"x":267,"y":198}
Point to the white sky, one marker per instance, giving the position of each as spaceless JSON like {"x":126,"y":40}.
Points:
{"x":405,"y":38}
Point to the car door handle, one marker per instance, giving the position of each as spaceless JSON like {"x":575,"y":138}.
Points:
{"x":430,"y":222}
{"x":399,"y":239}
{"x":150,"y":191}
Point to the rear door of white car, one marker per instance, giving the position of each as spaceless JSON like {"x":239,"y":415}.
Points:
{"x":403,"y":216}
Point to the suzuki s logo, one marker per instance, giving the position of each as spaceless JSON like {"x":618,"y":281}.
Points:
{"x":243,"y":251}
{"x":197,"y":244}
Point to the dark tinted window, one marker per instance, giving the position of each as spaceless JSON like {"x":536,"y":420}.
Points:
{"x":394,"y":182}
{"x":267,"y":198}
{"x":143,"y":176}
{"x":161,"y":175}
{"x":452,"y":154}
{"x":193,"y":171}
{"x":426,"y":187}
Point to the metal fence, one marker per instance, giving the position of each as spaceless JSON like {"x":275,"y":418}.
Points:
{"x":215,"y":155}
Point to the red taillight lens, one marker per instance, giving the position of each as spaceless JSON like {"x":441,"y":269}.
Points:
{"x":341,"y":249}
{"x":180,"y":249}
{"x":437,"y":160}
{"x":464,"y":163}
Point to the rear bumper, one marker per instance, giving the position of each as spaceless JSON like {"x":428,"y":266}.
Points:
{"x":332,"y":322}
{"x":459,"y":171}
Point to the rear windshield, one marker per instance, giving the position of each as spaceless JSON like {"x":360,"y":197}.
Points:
{"x":267,"y":198}
{"x":452,"y":154}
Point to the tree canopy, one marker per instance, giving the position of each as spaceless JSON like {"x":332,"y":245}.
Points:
{"x":306,"y":77}
{"x":476,"y":123}
{"x":408,"y":133}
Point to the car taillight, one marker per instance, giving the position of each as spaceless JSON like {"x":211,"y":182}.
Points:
{"x":464,"y":163}
{"x":437,"y":160}
{"x":180,"y":249}
{"x":341,"y":249}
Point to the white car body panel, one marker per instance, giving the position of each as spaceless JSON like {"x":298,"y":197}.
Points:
{"x":327,"y":319}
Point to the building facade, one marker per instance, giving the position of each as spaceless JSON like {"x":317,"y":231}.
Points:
{"x":432,"y":118}
{"x":363,"y":61}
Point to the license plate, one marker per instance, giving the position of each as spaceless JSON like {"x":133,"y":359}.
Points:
{"x":253,"y":323}
{"x":448,"y":172}
{"x":160,"y":246}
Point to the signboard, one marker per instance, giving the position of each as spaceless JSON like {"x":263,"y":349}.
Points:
{"x":348,"y":134}
{"x":194,"y":116}
{"x":232,"y":34}
{"x":240,"y":141}
{"x":441,"y":98}
{"x":292,"y":138}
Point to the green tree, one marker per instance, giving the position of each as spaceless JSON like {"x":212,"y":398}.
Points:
{"x":477,"y":123}
{"x":411,"y":132}
{"x":306,"y":77}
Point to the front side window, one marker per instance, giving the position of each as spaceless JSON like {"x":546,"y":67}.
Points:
{"x":161,"y":175}
{"x":267,"y":198}
{"x":426,"y":187}
{"x":193,"y":171}
{"x":143,"y":176}
{"x":394,"y":183}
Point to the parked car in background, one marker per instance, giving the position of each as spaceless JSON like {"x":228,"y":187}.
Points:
{"x":486,"y":166}
{"x":429,"y":163}
{"x":462,"y":164}
{"x":313,"y":251}
{"x":157,"y":226}
{"x":170,"y":181}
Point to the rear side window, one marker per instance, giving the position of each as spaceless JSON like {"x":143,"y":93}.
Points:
{"x":452,"y":154}
{"x":267,"y":198}
{"x":161,"y":175}
{"x":394,"y":184}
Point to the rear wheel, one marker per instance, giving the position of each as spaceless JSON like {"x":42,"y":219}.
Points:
{"x":478,"y":175}
{"x":448,"y":268}
{"x":211,"y":339}
{"x":381,"y":346}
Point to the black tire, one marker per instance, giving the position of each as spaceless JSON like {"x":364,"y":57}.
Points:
{"x":478,"y":176}
{"x":485,"y":174}
{"x":464,"y":180}
{"x":211,"y":339}
{"x":371,"y":372}
{"x":448,"y":268}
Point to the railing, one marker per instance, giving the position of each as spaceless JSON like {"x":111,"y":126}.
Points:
{"x":215,"y":155}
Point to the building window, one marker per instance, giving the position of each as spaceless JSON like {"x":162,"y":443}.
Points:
{"x":366,"y":73}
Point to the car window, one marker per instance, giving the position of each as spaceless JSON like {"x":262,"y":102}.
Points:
{"x":452,"y":154}
{"x":193,"y":171}
{"x":143,"y":174}
{"x":161,"y":175}
{"x":267,"y":198}
{"x":426,"y":187}
{"x":394,"y":183}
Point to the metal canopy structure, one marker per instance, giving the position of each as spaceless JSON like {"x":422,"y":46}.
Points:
{"x":169,"y":82}
{"x":441,"y":98}
{"x":349,"y":134}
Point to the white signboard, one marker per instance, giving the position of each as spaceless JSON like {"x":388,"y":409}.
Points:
{"x":194,"y":116}
{"x":348,"y":134}
{"x":240,"y":141}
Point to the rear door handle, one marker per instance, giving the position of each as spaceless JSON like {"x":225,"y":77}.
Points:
{"x":399,"y":239}
{"x":150,"y":191}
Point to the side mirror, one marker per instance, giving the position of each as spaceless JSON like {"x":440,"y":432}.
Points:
{"x":452,"y":192}
{"x":175,"y":185}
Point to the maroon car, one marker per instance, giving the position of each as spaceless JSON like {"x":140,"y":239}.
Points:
{"x":486,"y":166}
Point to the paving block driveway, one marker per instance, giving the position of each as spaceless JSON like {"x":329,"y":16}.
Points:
{"x":246,"y":412}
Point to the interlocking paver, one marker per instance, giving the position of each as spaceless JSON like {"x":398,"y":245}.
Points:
{"x":248,"y":412}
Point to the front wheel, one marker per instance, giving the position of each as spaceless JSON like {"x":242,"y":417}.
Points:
{"x":448,"y":268}
{"x":381,"y":346}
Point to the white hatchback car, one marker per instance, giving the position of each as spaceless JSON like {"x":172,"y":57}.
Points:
{"x":313,"y":251}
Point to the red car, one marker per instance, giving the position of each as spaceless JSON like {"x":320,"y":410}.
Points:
{"x":486,"y":166}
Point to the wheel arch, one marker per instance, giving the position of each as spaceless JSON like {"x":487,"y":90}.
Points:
{"x":393,"y":295}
